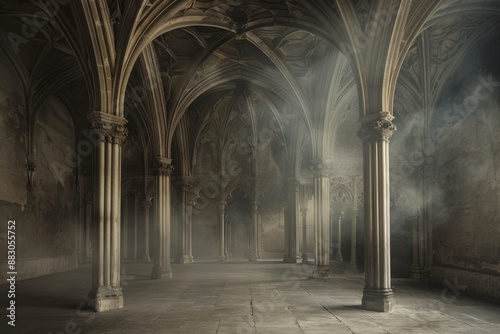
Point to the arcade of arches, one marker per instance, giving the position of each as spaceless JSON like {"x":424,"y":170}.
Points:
{"x":361,"y":135}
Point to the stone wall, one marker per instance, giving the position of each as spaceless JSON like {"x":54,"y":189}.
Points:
{"x":46,"y":228}
{"x":466,"y":238}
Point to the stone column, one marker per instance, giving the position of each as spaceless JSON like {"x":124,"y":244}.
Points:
{"x":147,"y":205}
{"x":303,"y":211}
{"x":352,"y":263}
{"x":375,"y":132}
{"x":106,"y":293}
{"x":222,"y":253}
{"x":163,"y":169}
{"x":292,"y":241}
{"x":125,"y":227}
{"x":254,"y":233}
{"x":136,"y":223}
{"x":185,"y":229}
{"x":322,"y":239}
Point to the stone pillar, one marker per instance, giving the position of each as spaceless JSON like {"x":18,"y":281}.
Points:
{"x":136,"y":223}
{"x":292,"y":241}
{"x":106,"y":293}
{"x":375,"y":132}
{"x":125,"y":227}
{"x":163,"y":169}
{"x":352,"y":263}
{"x":254,"y":233}
{"x":147,"y":205}
{"x":322,"y":238}
{"x":185,"y":225}
{"x":222,"y":250}
{"x":303,"y":211}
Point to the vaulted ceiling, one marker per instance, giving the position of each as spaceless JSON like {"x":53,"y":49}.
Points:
{"x":162,"y":62}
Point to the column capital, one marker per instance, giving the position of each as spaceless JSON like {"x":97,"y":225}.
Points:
{"x":108,"y":126}
{"x":222,"y":205}
{"x":377,"y":126}
{"x":163,"y":166}
{"x":320,"y":167}
{"x":255,"y":205}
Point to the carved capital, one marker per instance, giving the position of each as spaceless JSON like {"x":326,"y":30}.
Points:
{"x":163,"y":166}
{"x":255,"y":205}
{"x":222,"y":205}
{"x":376,"y":127}
{"x":109,"y":127}
{"x":321,"y":168}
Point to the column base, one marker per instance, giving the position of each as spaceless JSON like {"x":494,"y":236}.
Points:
{"x":338,"y":257}
{"x":378,"y":300}
{"x":252,"y":258}
{"x":222,"y":259}
{"x":416,"y":272}
{"x":161,"y":273}
{"x":321,"y":271}
{"x":191,"y":259}
{"x":146,"y":257}
{"x":105,"y":298}
{"x":183,"y":259}
{"x":292,"y":259}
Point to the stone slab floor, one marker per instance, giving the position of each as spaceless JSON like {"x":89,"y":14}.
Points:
{"x":239,"y":298}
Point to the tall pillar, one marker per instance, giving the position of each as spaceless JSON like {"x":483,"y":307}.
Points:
{"x":352,"y":263}
{"x":292,"y":240}
{"x":136,"y":224}
{"x":125,"y":227}
{"x":185,"y":225}
{"x":303,"y":211}
{"x":322,"y":238}
{"x":106,"y":293}
{"x":147,"y":205}
{"x":163,"y":169}
{"x":222,"y":253}
{"x":375,"y":132}
{"x":254,"y":233}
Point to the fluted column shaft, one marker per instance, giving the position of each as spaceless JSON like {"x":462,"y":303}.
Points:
{"x":163,"y":169}
{"x":375,"y":133}
{"x":106,"y":292}
{"x":185,"y":253}
{"x":321,"y":217}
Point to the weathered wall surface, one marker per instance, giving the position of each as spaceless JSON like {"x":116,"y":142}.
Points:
{"x":466,"y":236}
{"x":46,"y":217}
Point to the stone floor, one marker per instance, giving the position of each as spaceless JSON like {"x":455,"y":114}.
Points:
{"x":239,"y":298}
